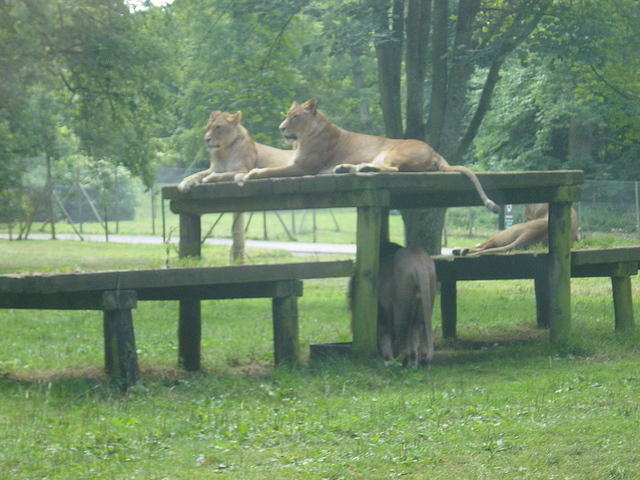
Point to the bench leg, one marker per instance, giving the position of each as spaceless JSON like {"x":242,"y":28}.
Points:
{"x":622,"y":303}
{"x":285,"y":330}
{"x":189,"y":335}
{"x":541,"y":287}
{"x":559,"y":273}
{"x":121,"y":361}
{"x":448,"y":309}
{"x":190,"y":233}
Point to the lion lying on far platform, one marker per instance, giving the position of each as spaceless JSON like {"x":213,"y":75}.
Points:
{"x":326,"y":148}
{"x":521,"y":235}
{"x":233,"y":151}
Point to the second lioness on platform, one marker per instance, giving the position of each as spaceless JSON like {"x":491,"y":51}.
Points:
{"x":326,"y":148}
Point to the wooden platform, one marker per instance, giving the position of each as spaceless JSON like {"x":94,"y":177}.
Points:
{"x":117,"y":292}
{"x":373,"y":194}
{"x":617,"y":263}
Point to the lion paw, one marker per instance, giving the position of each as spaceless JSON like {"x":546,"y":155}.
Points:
{"x":186,"y":185}
{"x":239,"y":178}
{"x":344,"y":168}
{"x":366,"y":167}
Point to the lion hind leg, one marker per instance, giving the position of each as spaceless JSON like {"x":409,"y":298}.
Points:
{"x":371,"y":167}
{"x":523,"y":240}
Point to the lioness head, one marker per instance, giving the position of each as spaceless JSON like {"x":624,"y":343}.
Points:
{"x":300,"y":118}
{"x":222,"y":129}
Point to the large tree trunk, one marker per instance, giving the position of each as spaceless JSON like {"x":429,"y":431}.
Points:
{"x":460,"y":70}
{"x":358,"y":79}
{"x":423,"y":227}
{"x":580,"y":140}
{"x":418,"y":25}
{"x":389,"y":34}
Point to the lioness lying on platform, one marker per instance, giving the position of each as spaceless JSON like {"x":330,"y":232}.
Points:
{"x":233,"y":151}
{"x":326,"y":148}
{"x":521,"y":235}
{"x":406,"y":293}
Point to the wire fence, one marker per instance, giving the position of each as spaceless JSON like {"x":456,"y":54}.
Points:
{"x":125,"y":207}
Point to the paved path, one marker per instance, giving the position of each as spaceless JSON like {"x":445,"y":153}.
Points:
{"x":307,"y":248}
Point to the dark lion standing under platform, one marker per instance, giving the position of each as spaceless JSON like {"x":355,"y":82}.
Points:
{"x":406,"y":293}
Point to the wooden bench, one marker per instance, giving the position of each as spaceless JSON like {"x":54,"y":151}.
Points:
{"x":116,"y":293}
{"x":617,"y":263}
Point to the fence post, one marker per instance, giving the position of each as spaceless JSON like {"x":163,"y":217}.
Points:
{"x":637,"y":209}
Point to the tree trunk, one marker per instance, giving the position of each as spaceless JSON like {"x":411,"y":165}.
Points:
{"x":423,"y":228}
{"x":439,"y":76}
{"x":50,"y":210}
{"x":460,"y":70}
{"x":358,"y":79}
{"x":580,"y":141}
{"x":388,"y":45}
{"x":418,"y":24}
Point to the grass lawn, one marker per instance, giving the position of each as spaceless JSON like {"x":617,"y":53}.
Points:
{"x":498,"y":403}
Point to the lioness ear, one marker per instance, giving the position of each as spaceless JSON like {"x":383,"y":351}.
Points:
{"x":214,"y":114}
{"x":235,"y":118}
{"x":293,"y":105}
{"x":311,"y":105}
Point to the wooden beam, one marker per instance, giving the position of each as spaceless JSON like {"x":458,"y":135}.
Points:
{"x":365,"y":304}
{"x":170,"y":278}
{"x":559,"y":273}
{"x":190,"y":232}
{"x":121,"y":360}
{"x":285,"y":331}
{"x":449,"y":309}
{"x":189,"y":335}
{"x":622,"y":304}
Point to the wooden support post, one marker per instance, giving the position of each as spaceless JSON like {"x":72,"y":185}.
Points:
{"x":448,"y":308}
{"x":121,"y":361}
{"x":365,"y":305}
{"x":385,"y":235}
{"x":189,"y":322}
{"x":559,"y":272}
{"x":541,"y":288}
{"x":189,"y":235}
{"x":622,"y":304}
{"x":285,"y":330}
{"x":189,"y":335}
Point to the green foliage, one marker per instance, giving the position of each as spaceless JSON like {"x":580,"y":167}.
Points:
{"x":570,"y":99}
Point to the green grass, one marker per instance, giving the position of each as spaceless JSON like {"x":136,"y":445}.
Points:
{"x":498,"y":403}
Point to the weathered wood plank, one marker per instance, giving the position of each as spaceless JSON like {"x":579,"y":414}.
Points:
{"x":418,"y":181}
{"x":52,"y":301}
{"x":490,"y":267}
{"x":170,"y":278}
{"x":605,"y":255}
{"x":289,"y":201}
